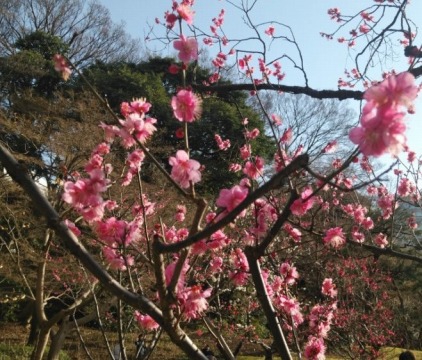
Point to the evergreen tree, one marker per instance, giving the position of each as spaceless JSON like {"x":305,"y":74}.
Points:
{"x":222,"y":114}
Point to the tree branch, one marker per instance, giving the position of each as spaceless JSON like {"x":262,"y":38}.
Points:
{"x":386,"y":251}
{"x":262,"y":295}
{"x":341,"y":94}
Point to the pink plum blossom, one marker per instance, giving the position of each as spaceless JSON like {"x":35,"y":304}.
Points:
{"x":381,"y":240}
{"x":181,"y":213}
{"x":287,"y":136}
{"x":185,"y":171}
{"x":270,"y":31}
{"x":330,"y":147}
{"x":61,"y":65}
{"x":116,"y":260}
{"x":187,"y":47}
{"x":406,"y":187}
{"x":335,"y":237}
{"x":240,"y":272}
{"x":254,"y":169}
{"x":222,"y":144}
{"x":320,"y":319}
{"x":174,"y":69}
{"x":382,"y":125}
{"x":110,"y":132}
{"x":111,"y":231}
{"x":186,"y":13}
{"x":230,"y":198}
{"x":395,"y":90}
{"x":245,"y":151}
{"x":194,"y":301}
{"x":387,"y":204}
{"x":412,"y":223}
{"x":380,"y":132}
{"x":145,"y":321}
{"x":235,"y":167}
{"x":315,"y":349}
{"x":253,"y":134}
{"x":84,"y":195}
{"x":295,"y":234}
{"x":136,"y":126}
{"x":169,"y":272}
{"x":276,"y":119}
{"x":289,"y":273}
{"x":291,"y":307}
{"x":302,"y":206}
{"x":215,"y":264}
{"x":186,"y":106}
{"x":170,"y":19}
{"x":328,"y":288}
{"x":135,"y":158}
{"x":200,"y":247}
{"x":140,"y":106}
{"x":72,"y":227}
{"x":218,"y":240}
{"x":411,"y":156}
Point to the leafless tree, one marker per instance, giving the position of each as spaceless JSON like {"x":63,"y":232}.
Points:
{"x":314,"y":122}
{"x":85,"y":26}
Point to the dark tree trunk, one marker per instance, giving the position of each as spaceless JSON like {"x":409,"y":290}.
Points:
{"x":34,"y":327}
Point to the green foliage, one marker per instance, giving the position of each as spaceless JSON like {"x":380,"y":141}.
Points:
{"x":120,"y":82}
{"x":31,"y":67}
{"x":43,"y":43}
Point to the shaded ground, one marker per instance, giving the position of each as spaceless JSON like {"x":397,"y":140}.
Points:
{"x":13,"y":334}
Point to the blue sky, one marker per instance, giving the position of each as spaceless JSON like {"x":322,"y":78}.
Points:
{"x":325,"y":61}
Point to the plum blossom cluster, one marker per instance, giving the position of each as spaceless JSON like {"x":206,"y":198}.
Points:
{"x":240,"y":267}
{"x":218,"y":22}
{"x":191,"y":299}
{"x":222,"y":144}
{"x":245,"y":64}
{"x":187,"y":106}
{"x":264,"y":213}
{"x":320,"y":317}
{"x":135,"y":127}
{"x":180,"y":11}
{"x":228,"y":199}
{"x":116,"y":235}
{"x":381,"y":116}
{"x":382,"y":123}
{"x":86,"y":194}
{"x":305,"y":203}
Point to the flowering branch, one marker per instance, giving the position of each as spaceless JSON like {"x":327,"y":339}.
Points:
{"x":260,"y":249}
{"x":178,"y":336}
{"x":267,"y":306}
{"x":276,"y":181}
